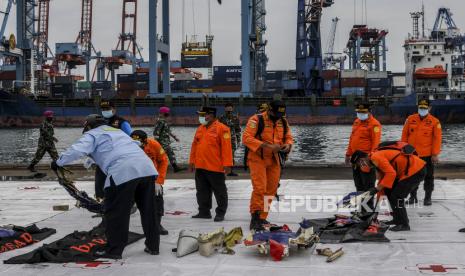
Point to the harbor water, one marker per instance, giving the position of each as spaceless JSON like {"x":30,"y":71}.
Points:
{"x":313,"y":144}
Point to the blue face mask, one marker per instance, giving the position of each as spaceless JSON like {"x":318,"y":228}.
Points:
{"x":423,"y":112}
{"x":107,"y":113}
{"x":362,"y":116}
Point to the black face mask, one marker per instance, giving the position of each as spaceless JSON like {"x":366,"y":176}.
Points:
{"x":49,"y":119}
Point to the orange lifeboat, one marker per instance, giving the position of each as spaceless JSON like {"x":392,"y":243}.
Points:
{"x":437,"y":72}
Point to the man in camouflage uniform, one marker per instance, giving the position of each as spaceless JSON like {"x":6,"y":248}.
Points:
{"x":232,"y":121}
{"x":162,"y":133}
{"x":46,"y":141}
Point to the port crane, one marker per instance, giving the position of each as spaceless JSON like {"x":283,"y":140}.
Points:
{"x":333,"y":60}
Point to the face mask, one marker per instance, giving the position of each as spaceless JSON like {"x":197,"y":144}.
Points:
{"x":362,"y":116}
{"x":107,"y":113}
{"x":229,"y":112}
{"x":423,"y":112}
{"x":202,"y":120}
{"x":49,"y":119}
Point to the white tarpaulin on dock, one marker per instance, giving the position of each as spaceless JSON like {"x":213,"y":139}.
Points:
{"x":432,"y":247}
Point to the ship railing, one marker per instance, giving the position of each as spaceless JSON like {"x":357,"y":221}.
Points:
{"x":443,"y":95}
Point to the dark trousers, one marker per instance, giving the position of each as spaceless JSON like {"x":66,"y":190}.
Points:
{"x":100,"y":178}
{"x":118,"y":202}
{"x":364,"y":182}
{"x":206,"y":183}
{"x":429,"y":178}
{"x":399,"y":192}
{"x":159,"y":207}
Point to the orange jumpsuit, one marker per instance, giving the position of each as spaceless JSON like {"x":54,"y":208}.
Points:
{"x":157,"y":154}
{"x":425,"y":135}
{"x":211,"y":149}
{"x":365,"y":136}
{"x":265,"y":170}
{"x":392,"y":167}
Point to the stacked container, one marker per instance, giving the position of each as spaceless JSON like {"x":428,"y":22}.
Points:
{"x":227,"y":78}
{"x":353,"y":82}
{"x":378,"y":84}
{"x":331,"y":83}
{"x":133,"y":85}
{"x":398,"y":84}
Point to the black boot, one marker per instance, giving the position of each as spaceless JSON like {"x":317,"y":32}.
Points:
{"x":176,"y":168}
{"x":413,"y":197}
{"x":255,"y":222}
{"x":163,"y":231}
{"x":427,"y":201}
{"x":32,"y":168}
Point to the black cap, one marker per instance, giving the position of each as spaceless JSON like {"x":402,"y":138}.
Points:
{"x":139,"y":135}
{"x":207,"y":110}
{"x":358,"y":155}
{"x":423,"y":103}
{"x":107,"y":104}
{"x":278,"y":107}
{"x":94,"y":121}
{"x":362,"y":107}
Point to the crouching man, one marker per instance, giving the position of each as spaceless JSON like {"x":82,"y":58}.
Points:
{"x":130,"y":177}
{"x":399,"y":171}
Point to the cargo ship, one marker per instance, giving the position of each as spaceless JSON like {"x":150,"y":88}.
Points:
{"x":434,"y":70}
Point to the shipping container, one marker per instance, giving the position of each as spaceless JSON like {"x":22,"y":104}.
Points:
{"x":275,"y":75}
{"x":125,"y":78}
{"x":62,"y":90}
{"x":101,"y":85}
{"x":104,"y":94}
{"x":398,"y":81}
{"x":227,"y":75}
{"x":398,"y":90}
{"x":334,"y":92}
{"x":141,"y":76}
{"x":64,"y":79}
{"x":355,"y":73}
{"x":7,"y":84}
{"x":141,"y":94}
{"x":227,"y":88}
{"x":353,"y":91}
{"x":378,"y":91}
{"x":200,"y":90}
{"x":183,"y":76}
{"x":141,"y":85}
{"x":7,"y":75}
{"x":126,"y":86}
{"x":291,"y":84}
{"x":377,"y":74}
{"x":84,"y":85}
{"x":274,"y":83}
{"x":68,"y":49}
{"x":196,"y":61}
{"x":330,"y":74}
{"x":385,"y":82}
{"x":353,"y":82}
{"x":200,"y":84}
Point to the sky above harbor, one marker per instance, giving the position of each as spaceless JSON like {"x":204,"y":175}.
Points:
{"x":392,"y":15}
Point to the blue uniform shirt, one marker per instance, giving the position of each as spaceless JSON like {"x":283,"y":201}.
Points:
{"x":114,"y":152}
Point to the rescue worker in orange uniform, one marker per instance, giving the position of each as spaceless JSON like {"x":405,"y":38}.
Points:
{"x":157,"y":154}
{"x":265,"y":136}
{"x":398,"y":174}
{"x":211,"y":158}
{"x":365,"y":137}
{"x":423,"y":131}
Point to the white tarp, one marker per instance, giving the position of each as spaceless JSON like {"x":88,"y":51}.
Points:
{"x":432,"y":247}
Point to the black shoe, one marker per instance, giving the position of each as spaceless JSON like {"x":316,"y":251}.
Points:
{"x":232,"y":174}
{"x":400,"y":227}
{"x":412,"y":200}
{"x":104,"y":255}
{"x":462,"y":230}
{"x":151,"y":252}
{"x":218,"y":218}
{"x":255,"y":222}
{"x":390,"y":222}
{"x":163,"y":231}
{"x":31,"y":168}
{"x":427,"y":202}
{"x":202,"y":216}
{"x":177,"y":169}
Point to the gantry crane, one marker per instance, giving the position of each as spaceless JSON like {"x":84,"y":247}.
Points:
{"x":309,"y":60}
{"x":333,"y":60}
{"x":254,"y":59}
